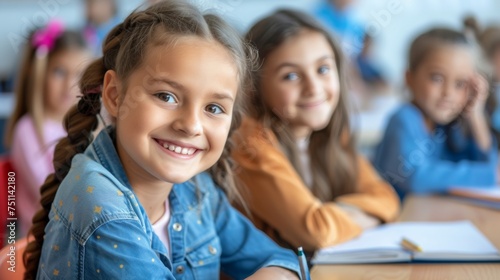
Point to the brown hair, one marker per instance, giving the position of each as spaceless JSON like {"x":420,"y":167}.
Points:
{"x":30,"y":83}
{"x":331,"y":149}
{"x":489,"y":39}
{"x":123,"y":52}
{"x":470,"y":23}
{"x":434,"y":38}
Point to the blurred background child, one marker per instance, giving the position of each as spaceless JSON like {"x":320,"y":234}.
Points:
{"x":338,"y":16}
{"x":46,"y":89}
{"x":441,"y":138}
{"x":369,"y":71}
{"x":306,"y":185}
{"x":102,"y":16}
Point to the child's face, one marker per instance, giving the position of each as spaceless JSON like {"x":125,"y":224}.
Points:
{"x":100,"y":11}
{"x":439,"y":84}
{"x":174,"y":118}
{"x":61,"y":87}
{"x":300,"y":82}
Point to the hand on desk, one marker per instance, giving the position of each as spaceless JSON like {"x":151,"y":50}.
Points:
{"x":364,"y":220}
{"x":273,"y":273}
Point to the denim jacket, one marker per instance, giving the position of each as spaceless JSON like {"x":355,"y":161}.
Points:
{"x":99,"y":230}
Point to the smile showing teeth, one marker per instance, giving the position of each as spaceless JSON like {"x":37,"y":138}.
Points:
{"x":179,"y":150}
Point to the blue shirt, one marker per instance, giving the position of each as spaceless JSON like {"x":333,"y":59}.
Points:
{"x":368,"y":70}
{"x":343,"y":23}
{"x":414,"y":160}
{"x":99,"y":230}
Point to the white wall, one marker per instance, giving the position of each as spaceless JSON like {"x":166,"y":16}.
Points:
{"x":397,"y":30}
{"x":19,"y":17}
{"x":392,"y":31}
{"x":242,"y":13}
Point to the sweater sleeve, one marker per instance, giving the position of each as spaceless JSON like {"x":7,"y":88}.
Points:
{"x":374,"y":196}
{"x":277,"y":195}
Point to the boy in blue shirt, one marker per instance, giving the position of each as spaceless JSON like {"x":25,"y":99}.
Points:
{"x":440,"y":139}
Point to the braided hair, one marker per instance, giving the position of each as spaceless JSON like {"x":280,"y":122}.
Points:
{"x":123,"y":52}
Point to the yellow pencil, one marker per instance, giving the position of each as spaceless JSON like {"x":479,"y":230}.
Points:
{"x":407,"y":244}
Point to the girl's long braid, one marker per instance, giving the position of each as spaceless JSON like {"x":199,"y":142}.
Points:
{"x":79,"y":122}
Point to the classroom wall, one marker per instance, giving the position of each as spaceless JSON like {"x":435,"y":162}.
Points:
{"x":393,"y":23}
{"x":393,"y":28}
{"x":19,"y":17}
{"x":396,"y":30}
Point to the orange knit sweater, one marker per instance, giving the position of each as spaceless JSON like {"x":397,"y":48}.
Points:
{"x":283,"y":206}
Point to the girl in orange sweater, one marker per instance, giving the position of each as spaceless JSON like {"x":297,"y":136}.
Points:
{"x":304,"y":182}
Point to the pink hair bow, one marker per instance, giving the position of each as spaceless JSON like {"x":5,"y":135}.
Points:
{"x":46,"y":37}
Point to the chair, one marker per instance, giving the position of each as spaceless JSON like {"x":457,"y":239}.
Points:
{"x":5,"y":256}
{"x":5,"y":168}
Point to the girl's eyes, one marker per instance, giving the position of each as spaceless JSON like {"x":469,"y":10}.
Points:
{"x":461,"y":84}
{"x":324,"y":70}
{"x":214,"y":109}
{"x":436,"y":78}
{"x":170,"y":98}
{"x":291,"y":77}
{"x":439,"y":79}
{"x":166,"y":97}
{"x":59,"y":72}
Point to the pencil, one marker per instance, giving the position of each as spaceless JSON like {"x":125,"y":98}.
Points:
{"x":407,"y":244}
{"x":304,"y":271}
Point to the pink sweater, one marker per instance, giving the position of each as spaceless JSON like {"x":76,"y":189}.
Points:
{"x":32,"y":163}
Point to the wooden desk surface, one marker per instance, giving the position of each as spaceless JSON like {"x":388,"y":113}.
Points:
{"x":427,"y":209}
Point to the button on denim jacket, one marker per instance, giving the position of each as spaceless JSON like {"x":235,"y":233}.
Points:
{"x":99,"y":230}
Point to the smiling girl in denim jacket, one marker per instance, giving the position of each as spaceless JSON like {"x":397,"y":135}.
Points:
{"x":135,"y":203}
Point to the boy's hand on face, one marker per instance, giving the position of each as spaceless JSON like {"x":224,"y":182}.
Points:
{"x":478,"y":93}
{"x":474,"y":112}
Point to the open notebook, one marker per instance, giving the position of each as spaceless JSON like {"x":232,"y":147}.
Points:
{"x":440,"y":242}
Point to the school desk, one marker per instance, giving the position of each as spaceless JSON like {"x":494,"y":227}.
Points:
{"x":428,"y":208}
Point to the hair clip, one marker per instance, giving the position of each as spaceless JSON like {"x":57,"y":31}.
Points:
{"x":89,"y":104}
{"x":44,"y":38}
{"x":95,"y":90}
